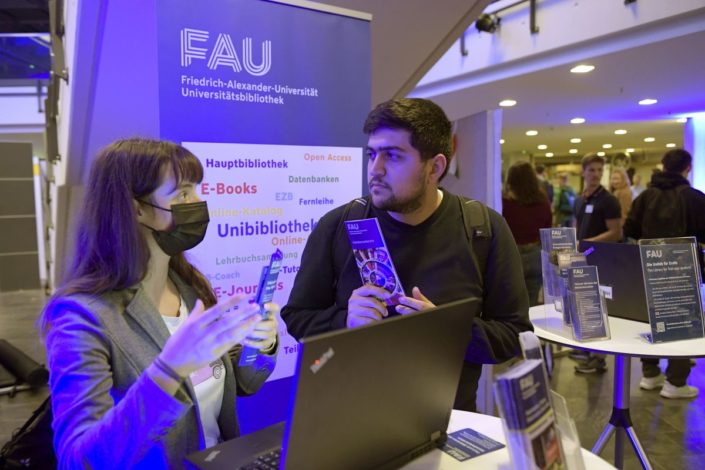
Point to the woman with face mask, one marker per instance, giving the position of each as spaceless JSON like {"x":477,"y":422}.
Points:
{"x":142,"y":357}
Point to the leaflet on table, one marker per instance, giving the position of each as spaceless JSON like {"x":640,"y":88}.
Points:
{"x":467,"y":443}
{"x":672,"y":282}
{"x":567,"y":259}
{"x":527,"y":417}
{"x":586,"y":305}
{"x":372,"y":257}
{"x":265,"y":291}
{"x":554,"y":241}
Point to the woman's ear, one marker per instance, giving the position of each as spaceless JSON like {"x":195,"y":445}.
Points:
{"x":139,"y":212}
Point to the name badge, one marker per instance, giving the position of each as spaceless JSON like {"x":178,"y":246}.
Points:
{"x":215,"y":369}
{"x":588,"y":209}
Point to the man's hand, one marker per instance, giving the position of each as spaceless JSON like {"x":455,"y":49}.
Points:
{"x":414,"y":304}
{"x":366,"y":305}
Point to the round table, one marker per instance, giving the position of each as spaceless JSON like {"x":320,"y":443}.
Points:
{"x":490,"y":426}
{"x":627,"y":340}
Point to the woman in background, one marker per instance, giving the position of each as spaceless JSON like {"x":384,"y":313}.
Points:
{"x":527,"y":209}
{"x":620,"y":187}
{"x":137,"y":344}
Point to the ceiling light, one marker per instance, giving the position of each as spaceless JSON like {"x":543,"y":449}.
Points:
{"x":630,"y":150}
{"x":487,"y":23}
{"x":542,"y":147}
{"x":682,"y":120}
{"x":620,"y":131}
{"x":549,"y":154}
{"x":600,"y":154}
{"x":507,"y":103}
{"x":532,"y":133}
{"x":501,"y":141}
{"x":582,"y":68}
{"x":573,"y":151}
{"x":577,"y":120}
{"x":649,"y":139}
{"x":671,"y":145}
{"x":606,"y":146}
{"x":575,"y":140}
{"x":648,"y":101}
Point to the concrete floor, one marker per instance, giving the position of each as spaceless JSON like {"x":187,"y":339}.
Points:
{"x":671,"y":431}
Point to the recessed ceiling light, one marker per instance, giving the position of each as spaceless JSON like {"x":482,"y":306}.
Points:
{"x":583,"y":68}
{"x":501,"y":141}
{"x":630,"y":150}
{"x":606,"y":146}
{"x":507,"y":103}
{"x":542,"y":147}
{"x":575,"y":140}
{"x":671,"y":145}
{"x":649,"y":139}
{"x":682,"y":120}
{"x":532,"y":133}
{"x":648,"y":101}
{"x":600,"y":154}
{"x":549,"y":154}
{"x":573,"y":151}
{"x":577,"y":120}
{"x":620,"y":131}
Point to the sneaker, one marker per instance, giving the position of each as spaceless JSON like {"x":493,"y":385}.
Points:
{"x":579,"y":355}
{"x":651,"y":383}
{"x":592,"y":366}
{"x":671,"y":391}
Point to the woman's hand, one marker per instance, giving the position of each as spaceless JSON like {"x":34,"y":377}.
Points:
{"x":208,"y":334}
{"x":264,"y":335}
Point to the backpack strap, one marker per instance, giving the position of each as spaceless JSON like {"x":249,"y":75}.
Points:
{"x":356,"y":209}
{"x":478,"y":230}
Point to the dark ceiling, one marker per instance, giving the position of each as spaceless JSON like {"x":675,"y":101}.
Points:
{"x":24,"y":16}
{"x":24,"y":40}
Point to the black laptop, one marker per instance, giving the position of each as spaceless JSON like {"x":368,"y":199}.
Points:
{"x":376,"y":396}
{"x":621,"y":278}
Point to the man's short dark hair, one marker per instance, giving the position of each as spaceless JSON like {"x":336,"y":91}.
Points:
{"x":431,"y":131}
{"x":676,"y":161}
{"x":539,"y":169}
{"x":592,"y":158}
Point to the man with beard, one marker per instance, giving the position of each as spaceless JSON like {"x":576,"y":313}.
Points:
{"x":408,"y":150}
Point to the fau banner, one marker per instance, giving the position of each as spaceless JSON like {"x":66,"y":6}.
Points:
{"x":271,"y":98}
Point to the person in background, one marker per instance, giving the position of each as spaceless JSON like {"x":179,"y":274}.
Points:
{"x":545,"y":184}
{"x":526,"y":209}
{"x":645,"y":220}
{"x":635,"y":181}
{"x":598,"y":217}
{"x":408,"y":149}
{"x":564,"y":203}
{"x":619,"y":186}
{"x":138,"y":348}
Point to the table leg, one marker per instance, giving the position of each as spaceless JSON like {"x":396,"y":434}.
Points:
{"x":621,"y":421}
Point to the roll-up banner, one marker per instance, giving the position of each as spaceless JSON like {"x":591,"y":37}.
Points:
{"x":271,"y":98}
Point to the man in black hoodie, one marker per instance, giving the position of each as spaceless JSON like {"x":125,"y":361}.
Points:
{"x":669,"y":208}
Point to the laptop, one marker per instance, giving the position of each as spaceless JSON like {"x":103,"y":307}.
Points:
{"x":621,"y":278}
{"x":376,"y":396}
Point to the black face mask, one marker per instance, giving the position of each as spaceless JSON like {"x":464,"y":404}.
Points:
{"x":190,"y":225}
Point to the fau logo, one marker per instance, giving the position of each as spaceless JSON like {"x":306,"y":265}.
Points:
{"x":223,"y":53}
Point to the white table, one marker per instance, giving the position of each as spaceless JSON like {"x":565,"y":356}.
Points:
{"x":626,"y":342}
{"x":490,"y":426}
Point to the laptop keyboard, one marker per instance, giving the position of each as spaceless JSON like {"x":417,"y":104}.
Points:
{"x":268,"y":461}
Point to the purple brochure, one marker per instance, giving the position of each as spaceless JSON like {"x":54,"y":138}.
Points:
{"x":372,"y":257}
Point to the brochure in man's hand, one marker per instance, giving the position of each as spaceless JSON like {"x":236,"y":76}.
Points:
{"x":672,"y":283}
{"x":372,"y":257}
{"x":527,"y":417}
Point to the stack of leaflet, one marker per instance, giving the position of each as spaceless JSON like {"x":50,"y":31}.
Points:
{"x":585,"y":304}
{"x":554,"y":241}
{"x":527,"y":416}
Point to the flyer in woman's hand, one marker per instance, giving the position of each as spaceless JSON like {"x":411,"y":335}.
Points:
{"x":372,"y":257}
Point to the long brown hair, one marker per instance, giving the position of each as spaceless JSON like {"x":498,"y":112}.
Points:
{"x":523,"y":183}
{"x":111,"y":252}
